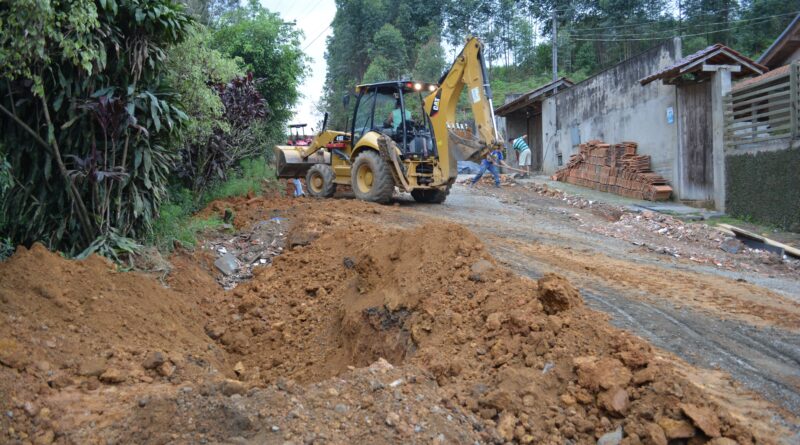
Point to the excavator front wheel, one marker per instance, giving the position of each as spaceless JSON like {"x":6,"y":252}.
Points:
{"x":319,"y":181}
{"x":371,"y":178}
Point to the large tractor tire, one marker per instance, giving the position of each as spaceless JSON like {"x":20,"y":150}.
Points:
{"x":430,"y":196}
{"x":371,"y":178}
{"x":319,"y":181}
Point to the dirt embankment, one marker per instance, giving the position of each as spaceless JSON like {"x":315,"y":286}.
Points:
{"x":90,"y":354}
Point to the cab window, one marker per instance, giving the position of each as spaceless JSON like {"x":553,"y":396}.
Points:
{"x":363,"y":120}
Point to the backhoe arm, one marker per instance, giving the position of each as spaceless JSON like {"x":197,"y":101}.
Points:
{"x":468,"y":70}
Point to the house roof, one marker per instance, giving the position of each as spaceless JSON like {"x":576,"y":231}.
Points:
{"x":536,"y":95}
{"x":786,"y":44}
{"x":717,"y":54}
{"x":758,"y":79}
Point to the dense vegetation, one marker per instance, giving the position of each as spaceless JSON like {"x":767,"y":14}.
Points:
{"x":111,"y":108}
{"x":592,"y":35}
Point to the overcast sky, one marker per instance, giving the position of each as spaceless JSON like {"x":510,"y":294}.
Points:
{"x":313,"y":17}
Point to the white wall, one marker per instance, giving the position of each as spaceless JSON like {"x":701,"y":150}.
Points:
{"x":614,"y":107}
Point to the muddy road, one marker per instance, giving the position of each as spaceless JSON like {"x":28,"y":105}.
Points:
{"x":743,"y":323}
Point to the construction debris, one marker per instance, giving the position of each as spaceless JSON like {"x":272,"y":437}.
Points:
{"x":661,"y":233}
{"x":615,"y":169}
{"x":488,"y":180}
{"x":238,"y":255}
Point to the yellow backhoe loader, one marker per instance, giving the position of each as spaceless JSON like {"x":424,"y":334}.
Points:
{"x":399,"y":137}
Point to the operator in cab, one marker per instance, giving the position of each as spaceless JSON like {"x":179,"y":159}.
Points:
{"x":395,"y":117}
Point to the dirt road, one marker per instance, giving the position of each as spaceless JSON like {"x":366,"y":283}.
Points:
{"x":743,"y":323}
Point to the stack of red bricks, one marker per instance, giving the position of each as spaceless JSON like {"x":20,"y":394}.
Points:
{"x":615,"y":169}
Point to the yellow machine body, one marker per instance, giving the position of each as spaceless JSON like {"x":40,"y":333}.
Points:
{"x":427,"y":173}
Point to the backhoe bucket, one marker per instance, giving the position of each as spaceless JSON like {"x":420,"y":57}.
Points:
{"x":464,"y":149}
{"x":289,"y":162}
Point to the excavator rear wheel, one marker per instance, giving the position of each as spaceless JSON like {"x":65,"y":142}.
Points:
{"x":319,"y":181}
{"x":430,"y":196}
{"x":371,"y":178}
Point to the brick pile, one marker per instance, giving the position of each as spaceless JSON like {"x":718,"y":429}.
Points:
{"x":615,"y":169}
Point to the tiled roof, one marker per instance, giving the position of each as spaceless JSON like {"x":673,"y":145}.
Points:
{"x":714,"y":54}
{"x":531,"y":96}
{"x":774,"y":73}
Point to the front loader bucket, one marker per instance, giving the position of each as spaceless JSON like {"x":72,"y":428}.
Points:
{"x":289,"y":162}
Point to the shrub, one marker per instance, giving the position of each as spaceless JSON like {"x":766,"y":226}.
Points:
{"x":90,"y":118}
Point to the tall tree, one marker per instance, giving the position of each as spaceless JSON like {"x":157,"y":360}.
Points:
{"x":430,"y":62}
{"x":270,"y":49}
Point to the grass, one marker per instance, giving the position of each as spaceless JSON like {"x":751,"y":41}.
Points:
{"x":249,"y":178}
{"x":744,"y":223}
{"x":177,"y":220}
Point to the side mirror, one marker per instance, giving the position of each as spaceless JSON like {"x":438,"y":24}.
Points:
{"x":324,"y":122}
{"x":346,"y":100}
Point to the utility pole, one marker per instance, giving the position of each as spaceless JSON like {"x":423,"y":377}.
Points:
{"x":555,"y":45}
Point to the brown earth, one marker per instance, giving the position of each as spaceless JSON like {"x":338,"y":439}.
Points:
{"x":89,"y":354}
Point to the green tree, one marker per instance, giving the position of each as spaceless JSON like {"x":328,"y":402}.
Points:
{"x":193,"y":69}
{"x":430,"y":61}
{"x":388,"y":52}
{"x":754,"y":34}
{"x":209,"y":12}
{"x":270,"y":49}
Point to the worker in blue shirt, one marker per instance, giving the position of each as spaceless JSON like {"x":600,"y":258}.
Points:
{"x":490,"y":163}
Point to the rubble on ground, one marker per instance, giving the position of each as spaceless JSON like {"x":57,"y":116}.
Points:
{"x":487,"y":180}
{"x":661,"y":233}
{"x":236,"y":255}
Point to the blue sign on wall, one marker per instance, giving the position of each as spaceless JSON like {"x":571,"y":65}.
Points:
{"x":670,"y":115}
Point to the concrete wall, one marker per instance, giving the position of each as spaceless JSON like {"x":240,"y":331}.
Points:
{"x":614,"y":107}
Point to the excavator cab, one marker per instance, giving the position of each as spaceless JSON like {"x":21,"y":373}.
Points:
{"x":395,"y":110}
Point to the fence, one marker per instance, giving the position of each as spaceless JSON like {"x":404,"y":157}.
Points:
{"x":764,"y":109}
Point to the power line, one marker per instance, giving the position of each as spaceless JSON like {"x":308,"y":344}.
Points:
{"x":578,"y":38}
{"x":649,"y":22}
{"x":695,"y":15}
{"x":317,"y":37}
{"x":314,"y":7}
{"x":688,"y":26}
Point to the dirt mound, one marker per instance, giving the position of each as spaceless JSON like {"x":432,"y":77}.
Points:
{"x":377,"y":404}
{"x":526,"y":357}
{"x":84,"y":324}
{"x":89,"y":353}
{"x":67,"y":315}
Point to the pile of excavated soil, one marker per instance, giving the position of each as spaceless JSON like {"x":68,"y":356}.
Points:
{"x":526,"y":357}
{"x":89,"y":354}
